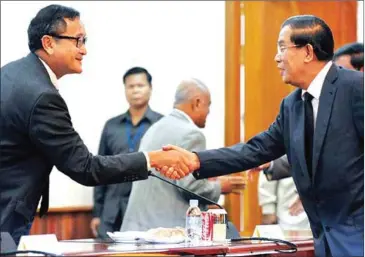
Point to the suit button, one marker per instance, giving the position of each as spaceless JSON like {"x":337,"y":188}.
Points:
{"x":328,"y":229}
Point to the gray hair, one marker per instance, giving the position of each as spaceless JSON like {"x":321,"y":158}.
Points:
{"x":188,"y":89}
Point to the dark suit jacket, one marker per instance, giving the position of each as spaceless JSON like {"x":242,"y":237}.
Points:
{"x":36,"y":134}
{"x":334,"y":197}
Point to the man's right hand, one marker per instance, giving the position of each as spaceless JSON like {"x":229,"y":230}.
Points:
{"x":174,"y":162}
{"x":94,"y":225}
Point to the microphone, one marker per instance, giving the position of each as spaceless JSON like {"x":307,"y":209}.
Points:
{"x":232,"y":232}
{"x":202,"y":198}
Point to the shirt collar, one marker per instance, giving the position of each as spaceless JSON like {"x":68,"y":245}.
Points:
{"x":316,"y":85}
{"x":185,"y":115}
{"x":148,"y":115}
{"x":51,"y":74}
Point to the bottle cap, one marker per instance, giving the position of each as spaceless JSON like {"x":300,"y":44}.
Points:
{"x":193,"y":203}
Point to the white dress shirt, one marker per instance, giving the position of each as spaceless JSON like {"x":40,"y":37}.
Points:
{"x":276,"y":197}
{"x":315,"y":89}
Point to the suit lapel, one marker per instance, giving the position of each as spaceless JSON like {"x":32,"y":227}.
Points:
{"x":39,"y":72}
{"x":324,"y":113}
{"x":298,"y":134}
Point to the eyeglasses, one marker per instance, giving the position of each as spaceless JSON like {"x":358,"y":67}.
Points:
{"x":281,"y":49}
{"x":80,"y":41}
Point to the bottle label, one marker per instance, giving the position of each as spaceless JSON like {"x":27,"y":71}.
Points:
{"x":194,"y":227}
{"x":207,"y":226}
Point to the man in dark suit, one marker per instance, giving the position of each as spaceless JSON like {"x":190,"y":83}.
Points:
{"x":349,"y":56}
{"x":320,"y":127}
{"x":122,"y":134}
{"x":36,"y":127}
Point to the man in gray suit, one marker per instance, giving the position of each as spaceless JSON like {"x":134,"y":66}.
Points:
{"x":277,"y":169}
{"x":157,"y":204}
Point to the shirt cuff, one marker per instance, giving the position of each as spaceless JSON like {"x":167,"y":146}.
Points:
{"x":269,"y":208}
{"x":147,"y":160}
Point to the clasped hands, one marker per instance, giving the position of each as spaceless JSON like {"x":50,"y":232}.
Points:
{"x":174,"y":162}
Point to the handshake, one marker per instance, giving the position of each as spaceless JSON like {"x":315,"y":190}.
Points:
{"x":174,"y":162}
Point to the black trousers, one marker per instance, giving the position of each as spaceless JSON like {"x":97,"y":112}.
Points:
{"x":107,"y":226}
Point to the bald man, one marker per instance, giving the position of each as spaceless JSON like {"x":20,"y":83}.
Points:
{"x":157,"y":204}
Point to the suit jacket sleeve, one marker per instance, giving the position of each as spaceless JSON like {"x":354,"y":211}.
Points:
{"x":280,"y":168}
{"x":51,"y":130}
{"x":262,"y":148}
{"x":195,"y":141}
{"x":100,"y":191}
{"x":267,"y":194}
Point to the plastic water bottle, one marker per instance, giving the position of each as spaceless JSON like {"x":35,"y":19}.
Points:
{"x":194,"y":222}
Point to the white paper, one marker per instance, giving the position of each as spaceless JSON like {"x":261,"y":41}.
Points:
{"x":134,"y":236}
{"x":269,"y":231}
{"x":127,"y":236}
{"x":45,"y":243}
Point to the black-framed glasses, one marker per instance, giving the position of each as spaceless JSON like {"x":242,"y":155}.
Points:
{"x":80,"y":41}
{"x":281,"y":49}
